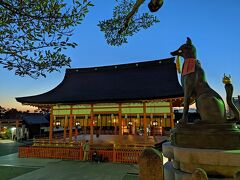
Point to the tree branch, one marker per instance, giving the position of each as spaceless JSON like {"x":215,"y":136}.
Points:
{"x":130,"y":15}
{"x":38,"y":17}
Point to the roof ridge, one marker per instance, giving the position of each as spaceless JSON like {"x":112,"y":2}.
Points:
{"x":123,"y":66}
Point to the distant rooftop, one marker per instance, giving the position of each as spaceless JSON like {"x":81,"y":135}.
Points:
{"x":35,"y":118}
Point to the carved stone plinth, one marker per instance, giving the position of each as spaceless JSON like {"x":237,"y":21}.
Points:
{"x":206,"y":136}
{"x":151,"y":165}
{"x":218,"y":164}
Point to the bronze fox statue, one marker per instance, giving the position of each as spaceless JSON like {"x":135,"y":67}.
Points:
{"x":209,"y":103}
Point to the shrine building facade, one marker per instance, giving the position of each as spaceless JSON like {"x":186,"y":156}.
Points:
{"x":125,"y":99}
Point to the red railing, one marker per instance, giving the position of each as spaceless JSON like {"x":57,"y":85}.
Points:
{"x":121,"y":154}
{"x":127,"y":155}
{"x":50,"y":152}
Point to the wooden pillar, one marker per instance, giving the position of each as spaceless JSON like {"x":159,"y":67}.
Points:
{"x":65,"y":128}
{"x":70,"y":125}
{"x":76,"y":133}
{"x":85,"y":129}
{"x":172,"y":114}
{"x":17,"y":124}
{"x":91,"y":125}
{"x":145,"y":121}
{"x":115,"y":127}
{"x":120,"y":123}
{"x":100,"y":129}
{"x":51,"y":126}
{"x":85,"y":124}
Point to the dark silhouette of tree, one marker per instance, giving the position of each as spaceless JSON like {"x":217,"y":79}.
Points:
{"x":127,"y":21}
{"x":33,"y":34}
{"x":12,"y":114}
{"x":2,"y":112}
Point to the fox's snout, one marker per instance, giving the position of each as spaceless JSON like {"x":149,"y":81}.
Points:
{"x":175,"y":53}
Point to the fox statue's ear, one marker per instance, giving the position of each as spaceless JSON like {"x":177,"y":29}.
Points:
{"x":189,"y":41}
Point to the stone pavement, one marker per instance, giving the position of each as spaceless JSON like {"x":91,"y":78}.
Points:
{"x":8,"y":147}
{"x":64,"y":169}
{"x":12,"y":167}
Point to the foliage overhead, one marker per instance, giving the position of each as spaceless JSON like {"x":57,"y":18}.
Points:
{"x":113,"y":28}
{"x":33,"y":34}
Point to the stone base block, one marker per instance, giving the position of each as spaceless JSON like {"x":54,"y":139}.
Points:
{"x":170,"y":173}
{"x":218,"y":163}
{"x":206,"y":136}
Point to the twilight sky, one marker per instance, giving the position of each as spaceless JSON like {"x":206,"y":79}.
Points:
{"x":213,"y":25}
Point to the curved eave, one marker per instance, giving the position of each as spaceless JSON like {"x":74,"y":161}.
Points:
{"x":176,"y":102}
{"x":118,"y":83}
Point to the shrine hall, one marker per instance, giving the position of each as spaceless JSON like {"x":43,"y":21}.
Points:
{"x":124,"y":99}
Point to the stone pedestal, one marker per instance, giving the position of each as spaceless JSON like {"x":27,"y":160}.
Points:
{"x":206,"y":136}
{"x":218,"y":164}
{"x":151,"y":165}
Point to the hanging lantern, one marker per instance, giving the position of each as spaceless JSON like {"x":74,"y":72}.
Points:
{"x":126,"y":116}
{"x":165,"y":116}
{"x":130,"y":122}
{"x":99,"y":116}
{"x":58,"y":124}
{"x":151,"y":116}
{"x":86,"y":116}
{"x":138,"y":116}
{"x":77,"y":123}
{"x":155,"y":123}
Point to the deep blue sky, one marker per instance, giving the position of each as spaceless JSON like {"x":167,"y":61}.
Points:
{"x":213,"y":25}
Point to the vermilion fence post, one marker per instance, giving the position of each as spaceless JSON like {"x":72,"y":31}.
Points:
{"x":81,"y":153}
{"x":114,"y":153}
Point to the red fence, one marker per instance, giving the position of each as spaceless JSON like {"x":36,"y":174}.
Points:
{"x":126,"y":154}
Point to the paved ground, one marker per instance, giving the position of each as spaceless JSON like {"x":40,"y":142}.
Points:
{"x":8,"y":147}
{"x":12,"y":167}
{"x":44,"y":169}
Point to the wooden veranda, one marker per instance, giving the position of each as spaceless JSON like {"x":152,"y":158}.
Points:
{"x":104,"y":146}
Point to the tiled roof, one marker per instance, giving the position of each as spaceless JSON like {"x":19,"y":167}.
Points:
{"x":135,"y":81}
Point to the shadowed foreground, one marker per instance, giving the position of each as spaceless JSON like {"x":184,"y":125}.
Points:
{"x":34,"y":169}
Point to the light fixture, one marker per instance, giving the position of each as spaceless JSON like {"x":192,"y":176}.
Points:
{"x":151,"y":116}
{"x":155,"y":123}
{"x":130,"y":122}
{"x":57,"y":124}
{"x":165,"y":116}
{"x":77,"y":123}
{"x":138,"y":116}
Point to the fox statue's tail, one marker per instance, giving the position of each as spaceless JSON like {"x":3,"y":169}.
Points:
{"x":229,"y":91}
